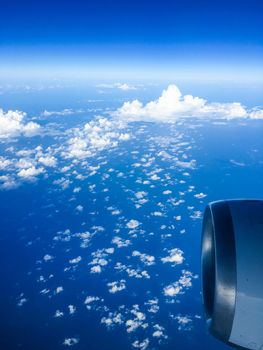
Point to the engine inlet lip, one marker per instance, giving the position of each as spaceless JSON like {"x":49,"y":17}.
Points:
{"x":218,"y":263}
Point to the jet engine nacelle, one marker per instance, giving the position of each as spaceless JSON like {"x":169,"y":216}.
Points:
{"x":232,"y":271}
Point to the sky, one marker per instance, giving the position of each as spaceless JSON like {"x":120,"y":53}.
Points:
{"x":133,"y":39}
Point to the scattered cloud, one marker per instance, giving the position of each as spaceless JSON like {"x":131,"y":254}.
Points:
{"x":112,"y":319}
{"x":120,"y":86}
{"x":63,"y":112}
{"x":48,"y":161}
{"x":184,"y":322}
{"x":145,"y":258}
{"x":141,"y":345}
{"x":30,"y":173}
{"x":70,"y":341}
{"x":175,"y":257}
{"x":132,"y":224}
{"x":116,"y":286}
{"x":178,"y":287}
{"x":97,"y":135}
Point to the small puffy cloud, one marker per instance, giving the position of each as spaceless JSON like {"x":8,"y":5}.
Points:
{"x":59,"y":290}
{"x":48,"y":257}
{"x":125,"y":87}
{"x":70,"y":341}
{"x":120,"y":242}
{"x":59,"y":313}
{"x":75,"y":260}
{"x":30,"y":173}
{"x":145,"y":258}
{"x":141,"y":345}
{"x":132,"y":224}
{"x":200,"y":195}
{"x":7,"y":182}
{"x":96,"y":269}
{"x":172,"y":106}
{"x":159,"y":332}
{"x":136,"y":273}
{"x":48,"y":161}
{"x":153,"y":305}
{"x":116,"y":286}
{"x":184,"y":322}
{"x":4,"y":163}
{"x":71,"y":309}
{"x":21,"y":302}
{"x":12,"y":124}
{"x":113,"y":318}
{"x":90,"y":299}
{"x":79,"y":208}
{"x":256,"y":113}
{"x":178,"y":287}
{"x":175,"y":257}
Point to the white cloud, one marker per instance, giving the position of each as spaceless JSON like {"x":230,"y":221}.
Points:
{"x":90,"y":299}
{"x":96,"y":269}
{"x":21,"y":302}
{"x":172,"y":106}
{"x":49,"y":161}
{"x":7,"y":182}
{"x":136,"y":273}
{"x":4,"y":163}
{"x":175,"y":257}
{"x":116,"y":286}
{"x":75,"y":260}
{"x":112,"y":319}
{"x":12,"y":124}
{"x":125,"y":87}
{"x":141,"y":345}
{"x":146,"y":259}
{"x":178,"y":287}
{"x":121,"y":242}
{"x":256,"y":113}
{"x":200,"y":195}
{"x":79,"y":208}
{"x":30,"y":173}
{"x":132,"y":224}
{"x":159,"y":332}
{"x":95,"y":136}
{"x":64,"y":112}
{"x":70,"y":341}
{"x":58,"y":314}
{"x":184,"y":322}
{"x":72,"y":309}
{"x":59,"y":290}
{"x":120,"y":86}
{"x":48,"y":257}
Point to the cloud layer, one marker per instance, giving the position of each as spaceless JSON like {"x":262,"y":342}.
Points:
{"x":173,"y":106}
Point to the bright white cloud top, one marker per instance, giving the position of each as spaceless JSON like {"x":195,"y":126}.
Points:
{"x":12,"y":124}
{"x":172,"y":106}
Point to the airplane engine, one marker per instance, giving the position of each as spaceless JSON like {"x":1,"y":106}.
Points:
{"x":232,"y":271}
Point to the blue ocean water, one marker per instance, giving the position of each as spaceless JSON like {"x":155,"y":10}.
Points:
{"x":101,"y":250}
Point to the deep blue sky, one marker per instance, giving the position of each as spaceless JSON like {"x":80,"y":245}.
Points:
{"x":131,"y":33}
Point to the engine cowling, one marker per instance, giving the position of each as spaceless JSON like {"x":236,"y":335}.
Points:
{"x":232,"y":271}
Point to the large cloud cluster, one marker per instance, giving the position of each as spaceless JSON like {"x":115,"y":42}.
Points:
{"x":12,"y":124}
{"x":97,"y":135}
{"x":172,"y":106}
